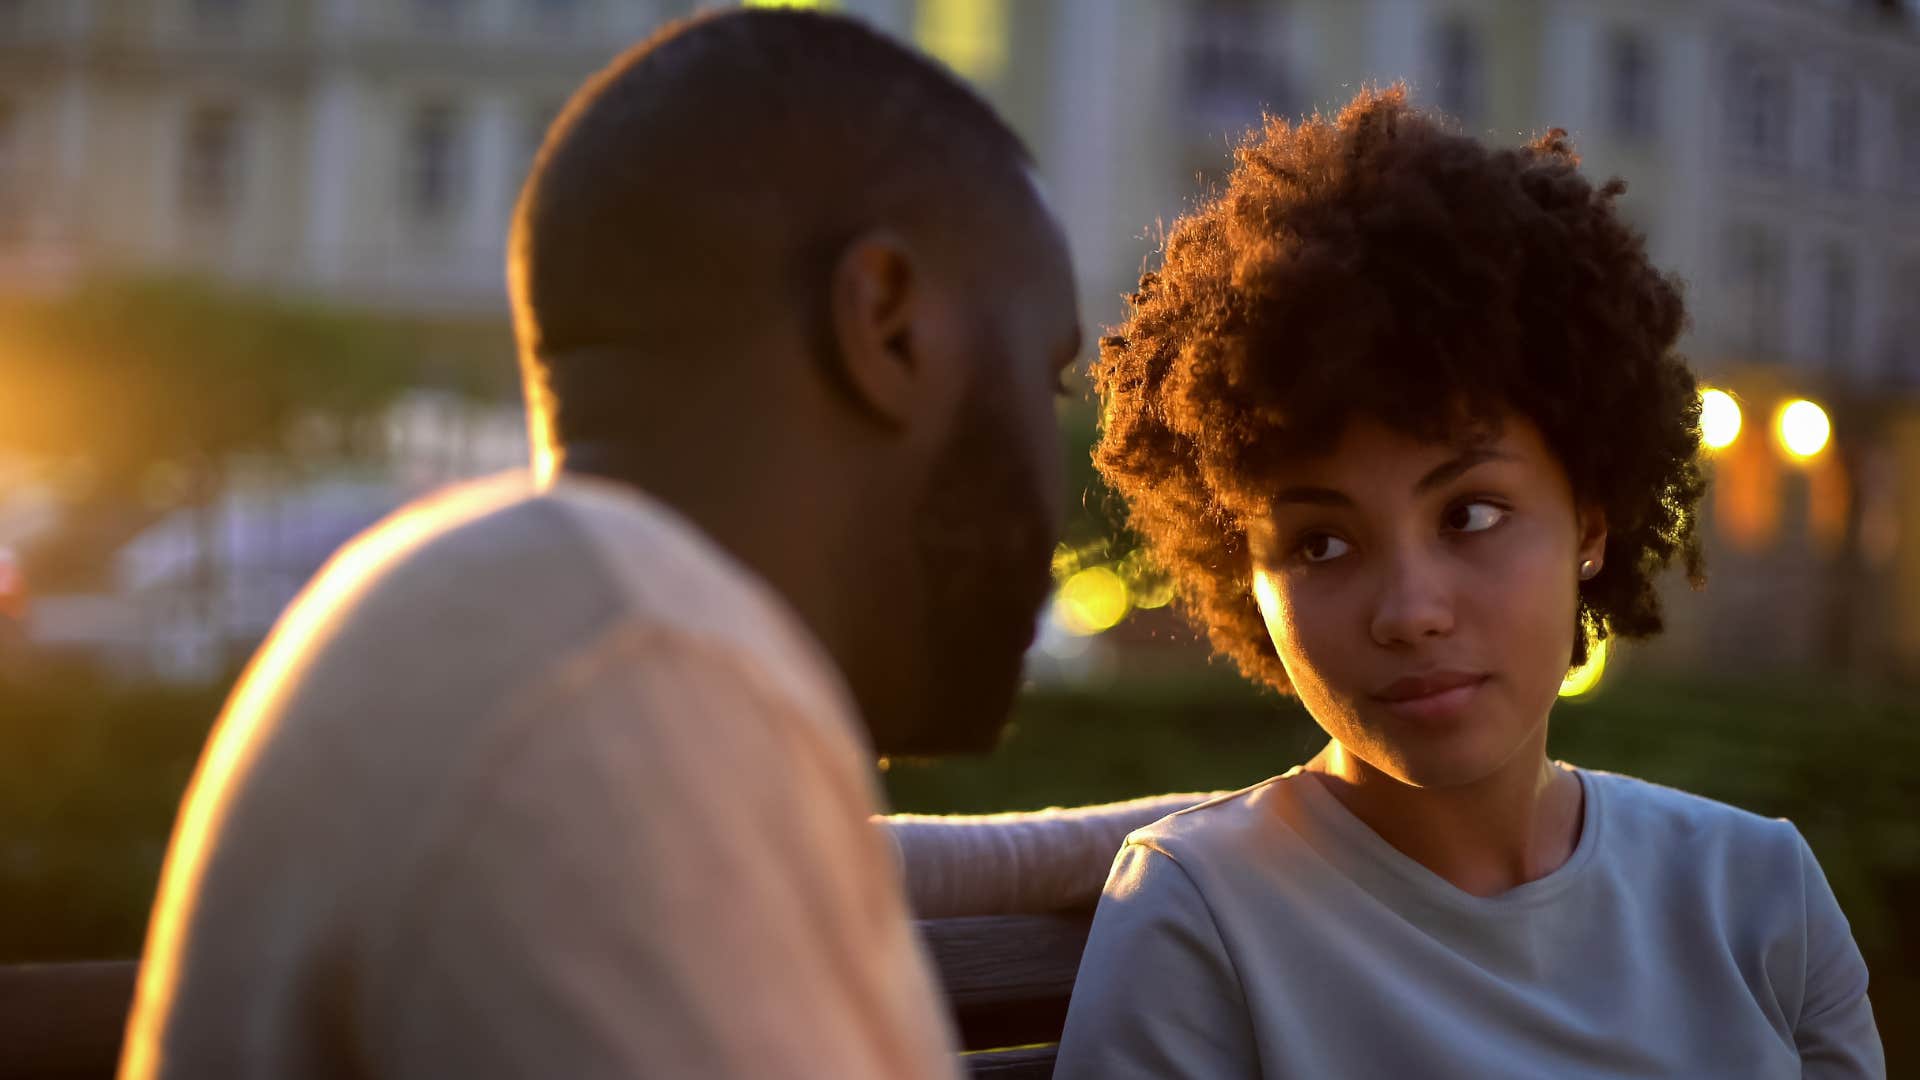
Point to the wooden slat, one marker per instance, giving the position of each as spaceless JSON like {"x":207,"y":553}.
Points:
{"x":63,"y":1021}
{"x":1007,"y":977}
{"x":1026,"y":1063}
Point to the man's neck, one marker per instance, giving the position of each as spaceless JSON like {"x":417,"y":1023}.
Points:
{"x":781,"y":533}
{"x":1514,"y":826}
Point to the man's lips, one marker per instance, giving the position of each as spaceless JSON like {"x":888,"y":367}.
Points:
{"x":1413,"y":688}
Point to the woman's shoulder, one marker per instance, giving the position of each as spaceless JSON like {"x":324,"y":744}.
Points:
{"x":1647,"y":821}
{"x":1229,"y":825}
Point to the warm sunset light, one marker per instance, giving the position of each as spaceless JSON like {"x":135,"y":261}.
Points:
{"x":1066,"y":562}
{"x":1719,"y":419}
{"x":1803,"y":428}
{"x":1092,"y":601}
{"x":1146,"y":585}
{"x":345,"y":577}
{"x":1267,"y":596}
{"x":1585,"y":678}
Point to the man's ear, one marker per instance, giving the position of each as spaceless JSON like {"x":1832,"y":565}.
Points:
{"x":874,"y":300}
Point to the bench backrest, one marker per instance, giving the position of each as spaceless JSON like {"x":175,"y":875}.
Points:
{"x":1007,"y":978}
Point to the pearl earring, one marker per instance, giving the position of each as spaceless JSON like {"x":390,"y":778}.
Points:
{"x":1588,"y":569}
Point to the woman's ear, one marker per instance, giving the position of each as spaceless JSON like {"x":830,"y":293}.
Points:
{"x":1590,"y":557}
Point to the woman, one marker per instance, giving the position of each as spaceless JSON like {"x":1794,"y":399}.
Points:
{"x":1401,"y":415}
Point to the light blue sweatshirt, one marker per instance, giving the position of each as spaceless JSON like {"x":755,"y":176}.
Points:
{"x":1270,"y":933}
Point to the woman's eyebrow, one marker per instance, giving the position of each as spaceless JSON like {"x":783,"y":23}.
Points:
{"x":1448,"y":471}
{"x":1445,"y":472}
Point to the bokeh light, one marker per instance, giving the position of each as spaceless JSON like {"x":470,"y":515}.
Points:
{"x":1719,"y":419}
{"x":1148,"y":586}
{"x":1803,"y":428}
{"x":1584,"y":679}
{"x":1092,"y":601}
{"x":1066,"y":562}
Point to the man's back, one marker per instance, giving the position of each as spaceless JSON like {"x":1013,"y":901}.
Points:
{"x":534,"y":784}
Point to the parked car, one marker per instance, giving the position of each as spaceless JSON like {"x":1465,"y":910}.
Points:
{"x":13,"y":611}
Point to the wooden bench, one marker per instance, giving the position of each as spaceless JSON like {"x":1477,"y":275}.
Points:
{"x":1008,"y":979}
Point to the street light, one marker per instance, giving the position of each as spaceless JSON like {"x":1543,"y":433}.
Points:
{"x":1803,"y":429}
{"x":1719,"y":419}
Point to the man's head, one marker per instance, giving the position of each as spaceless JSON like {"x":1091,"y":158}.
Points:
{"x":798,"y":282}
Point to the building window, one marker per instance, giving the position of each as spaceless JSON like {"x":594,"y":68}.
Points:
{"x":1754,"y":270}
{"x":539,"y":118}
{"x":1459,"y":63}
{"x":1902,"y":346}
{"x":1907,"y":154}
{"x":439,"y":16}
{"x":12,"y":190}
{"x":218,"y":16}
{"x":1631,"y":85}
{"x":435,"y":165}
{"x":1843,"y":133}
{"x":554,"y":16}
{"x":210,"y":162}
{"x":1837,"y":308}
{"x":969,"y":35}
{"x":1759,"y":114}
{"x":9,"y":145}
{"x":1231,"y":70}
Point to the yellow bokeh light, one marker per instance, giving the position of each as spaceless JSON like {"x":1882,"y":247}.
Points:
{"x":1719,"y":419}
{"x":1092,"y":601}
{"x":1803,"y":428}
{"x":1066,"y":562}
{"x":970,"y":35}
{"x":1583,"y":679}
{"x":1147,"y":584}
{"x":1157,"y":593}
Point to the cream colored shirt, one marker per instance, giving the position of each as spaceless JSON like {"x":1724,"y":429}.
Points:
{"x":535,"y":784}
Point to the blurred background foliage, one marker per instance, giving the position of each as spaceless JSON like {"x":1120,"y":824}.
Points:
{"x":94,"y":772}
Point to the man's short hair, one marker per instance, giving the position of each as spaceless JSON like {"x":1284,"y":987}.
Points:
{"x":705,"y":181}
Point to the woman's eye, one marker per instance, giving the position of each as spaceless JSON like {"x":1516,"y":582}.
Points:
{"x":1475,"y":517}
{"x":1323,"y":547}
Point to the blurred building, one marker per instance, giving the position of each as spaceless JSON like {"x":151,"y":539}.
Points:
{"x":1772,"y":149}
{"x":368,"y":151}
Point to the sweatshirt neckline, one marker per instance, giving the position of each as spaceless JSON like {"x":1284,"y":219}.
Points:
{"x":1357,"y":840}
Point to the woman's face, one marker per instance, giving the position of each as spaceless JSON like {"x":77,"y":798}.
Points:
{"x":1422,"y":596}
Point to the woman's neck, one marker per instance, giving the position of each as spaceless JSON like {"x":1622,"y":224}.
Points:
{"x":1516,"y":825}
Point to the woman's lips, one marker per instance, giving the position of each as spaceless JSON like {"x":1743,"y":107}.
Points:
{"x":1434,"y":698}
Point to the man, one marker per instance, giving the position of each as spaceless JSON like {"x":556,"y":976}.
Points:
{"x":572,"y":778}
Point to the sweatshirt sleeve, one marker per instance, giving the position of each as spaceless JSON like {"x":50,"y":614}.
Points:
{"x":1835,"y":1032}
{"x":1015,"y":864}
{"x":1157,"y":995}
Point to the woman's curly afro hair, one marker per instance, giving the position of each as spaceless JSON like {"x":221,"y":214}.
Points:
{"x":1380,"y":264}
